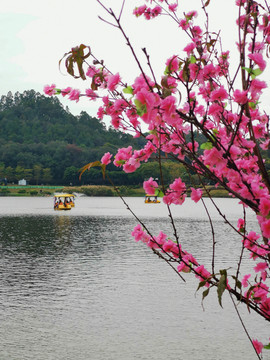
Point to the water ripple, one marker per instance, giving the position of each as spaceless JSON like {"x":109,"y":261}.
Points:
{"x":76,"y":286}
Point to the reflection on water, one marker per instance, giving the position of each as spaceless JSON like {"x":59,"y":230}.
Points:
{"x":76,"y":286}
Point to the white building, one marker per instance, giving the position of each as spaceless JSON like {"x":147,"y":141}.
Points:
{"x":22,"y":182}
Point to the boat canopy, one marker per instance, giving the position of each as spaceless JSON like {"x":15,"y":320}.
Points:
{"x":64,"y":195}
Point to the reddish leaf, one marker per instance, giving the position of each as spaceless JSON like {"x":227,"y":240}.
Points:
{"x":76,"y":56}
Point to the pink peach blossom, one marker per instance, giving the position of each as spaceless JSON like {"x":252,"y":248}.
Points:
{"x":256,"y":88}
{"x":49,"y":89}
{"x":173,"y":7}
{"x":123,"y":154}
{"x":150,"y":186}
{"x":191,"y":14}
{"x":161,"y":238}
{"x":176,"y":193}
{"x":139,"y":234}
{"x":262,"y":266}
{"x":240,"y":97}
{"x":113,"y":81}
{"x":184,"y":24}
{"x":264,"y":206}
{"x":245,"y":280}
{"x":210,"y":71}
{"x":173,"y":63}
{"x":257,"y":345}
{"x":202,"y":274}
{"x":156,"y":11}
{"x":74,"y":95}
{"x":189,"y":48}
{"x":138,"y":11}
{"x":219,"y":94}
{"x":91,"y":94}
{"x":106,"y":158}
{"x":131,"y":165}
{"x":196,"y":194}
{"x":258,"y":59}
{"x":265,"y":226}
{"x":66,"y":91}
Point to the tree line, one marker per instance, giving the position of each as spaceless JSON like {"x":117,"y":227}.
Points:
{"x":43,"y":143}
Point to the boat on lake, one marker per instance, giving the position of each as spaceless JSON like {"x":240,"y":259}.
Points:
{"x":64,"y":201}
{"x":151,"y":199}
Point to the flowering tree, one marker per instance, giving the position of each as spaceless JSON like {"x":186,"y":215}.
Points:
{"x":199,"y":96}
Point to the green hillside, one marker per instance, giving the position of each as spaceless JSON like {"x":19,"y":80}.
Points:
{"x":42,"y":142}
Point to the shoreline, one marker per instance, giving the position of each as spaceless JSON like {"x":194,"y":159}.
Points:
{"x":87,"y":190}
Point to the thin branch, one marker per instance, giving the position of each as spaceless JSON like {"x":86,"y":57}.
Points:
{"x":150,"y":67}
{"x":243,"y":325}
{"x":107,"y":22}
{"x":119,"y":26}
{"x":213,"y":236}
{"x":121,"y":11}
{"x":242,"y":250}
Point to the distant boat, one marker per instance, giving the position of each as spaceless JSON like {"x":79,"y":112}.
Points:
{"x":151,"y":199}
{"x":64,"y":201}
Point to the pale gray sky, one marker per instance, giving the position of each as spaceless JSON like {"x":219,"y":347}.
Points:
{"x":34,"y":35}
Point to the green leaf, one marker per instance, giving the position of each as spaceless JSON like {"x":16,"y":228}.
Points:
{"x":141,"y":108}
{"x":138,"y":104}
{"x":120,"y":162}
{"x":223,"y":272}
{"x":267,"y":347}
{"x":206,"y":146}
{"x":222,"y":284}
{"x":255,"y":73}
{"x":192,"y":59}
{"x":142,"y":111}
{"x":159,"y":193}
{"x":128,"y":90}
{"x":252,"y":105}
{"x":213,"y":135}
{"x":166,"y":71}
{"x":249,"y":70}
{"x":186,"y":71}
{"x":205,"y":293}
{"x":237,"y":282}
{"x":201,"y":284}
{"x":249,"y":293}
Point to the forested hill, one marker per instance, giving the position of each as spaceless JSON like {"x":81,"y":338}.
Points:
{"x":43,"y":142}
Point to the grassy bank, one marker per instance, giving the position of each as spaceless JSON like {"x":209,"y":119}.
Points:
{"x":88,"y":190}
{"x":29,"y":190}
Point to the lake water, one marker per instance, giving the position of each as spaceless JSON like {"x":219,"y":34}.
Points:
{"x":75,"y":285}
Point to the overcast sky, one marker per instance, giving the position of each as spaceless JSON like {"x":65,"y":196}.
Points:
{"x":35,"y":34}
